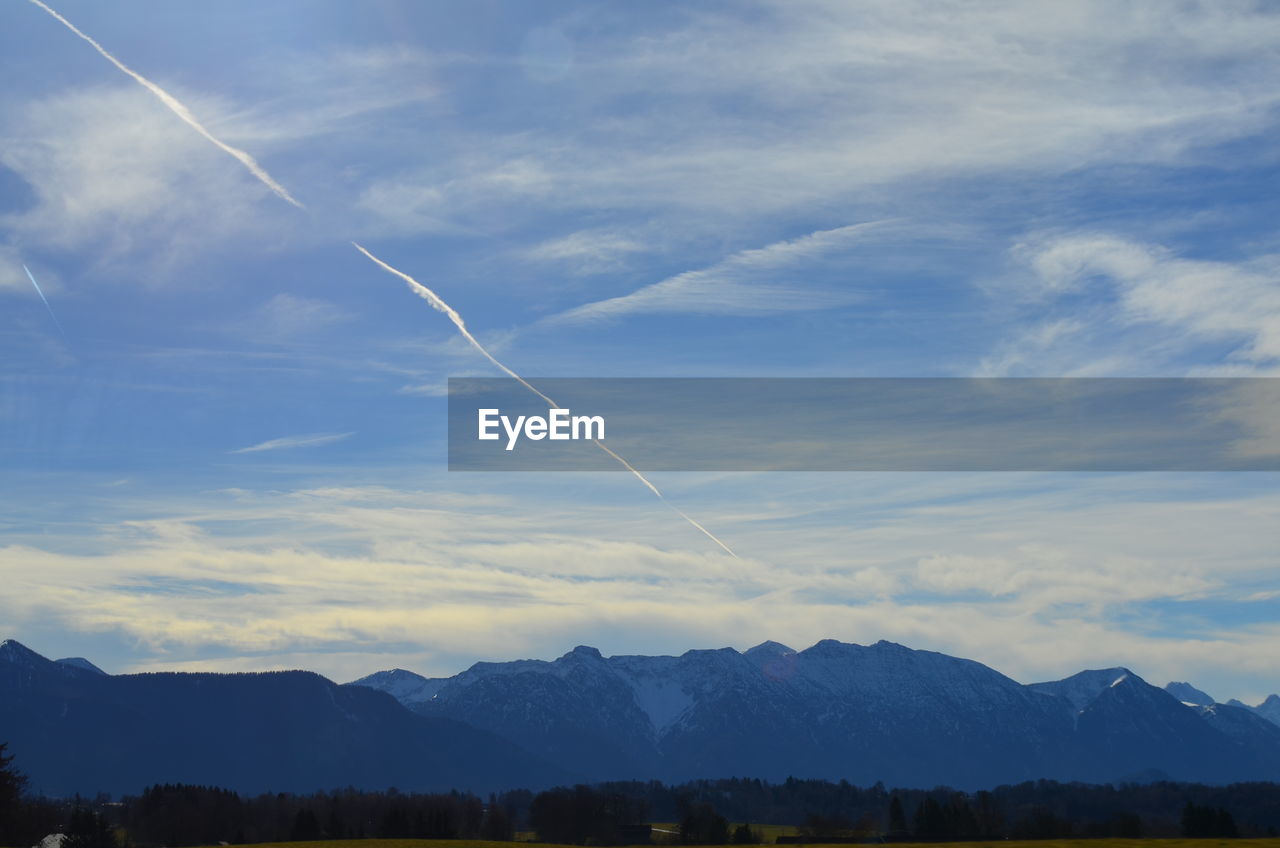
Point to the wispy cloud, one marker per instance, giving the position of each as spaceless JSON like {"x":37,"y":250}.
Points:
{"x":759,"y":281}
{"x":288,"y":315}
{"x":1038,"y":583}
{"x":114,"y":175}
{"x":846,"y":106}
{"x":588,"y":251}
{"x":12,"y":273}
{"x":1121,"y":304}
{"x":180,"y":109}
{"x":311,"y":440}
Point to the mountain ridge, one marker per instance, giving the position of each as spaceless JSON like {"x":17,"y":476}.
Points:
{"x":840,"y":710}
{"x":835,"y":710}
{"x":72,"y":730}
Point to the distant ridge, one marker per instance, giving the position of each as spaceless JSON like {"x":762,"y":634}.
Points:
{"x":863,"y":713}
{"x":77,"y":730}
{"x":882,"y":712}
{"x":81,"y":663}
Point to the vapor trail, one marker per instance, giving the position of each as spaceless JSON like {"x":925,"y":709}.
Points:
{"x":181,"y":111}
{"x":56,"y":322}
{"x":438,"y":303}
{"x":418,"y":288}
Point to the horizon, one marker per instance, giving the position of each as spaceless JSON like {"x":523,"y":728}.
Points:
{"x":739,"y":651}
{"x":223,"y":417}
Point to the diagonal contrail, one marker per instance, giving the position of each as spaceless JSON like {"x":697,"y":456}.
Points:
{"x":436,"y":301}
{"x":179,"y":109}
{"x":56,"y":322}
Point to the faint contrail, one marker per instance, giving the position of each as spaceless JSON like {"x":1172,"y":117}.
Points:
{"x":56,"y":322}
{"x":181,"y":111}
{"x":177,"y":107}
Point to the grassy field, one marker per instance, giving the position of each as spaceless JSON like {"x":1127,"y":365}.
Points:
{"x":1043,"y":843}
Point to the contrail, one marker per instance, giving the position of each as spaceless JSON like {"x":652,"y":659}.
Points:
{"x":436,"y":301}
{"x":179,"y":109}
{"x":56,"y":322}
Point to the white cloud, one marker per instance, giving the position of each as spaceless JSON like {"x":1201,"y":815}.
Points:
{"x":1100,"y":284}
{"x":113,"y":172}
{"x":311,"y":440}
{"x":12,"y":277}
{"x":761,"y":281}
{"x":842,"y":105}
{"x":307,"y":95}
{"x":587,"y":251}
{"x":287,"y":315}
{"x":1038,"y":584}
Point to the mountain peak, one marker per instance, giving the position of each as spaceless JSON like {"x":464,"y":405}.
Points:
{"x":11,"y":650}
{"x":826,"y":647}
{"x":80,"y":663}
{"x":1269,"y":709}
{"x":1188,"y":694}
{"x":585,"y":652}
{"x":1082,"y":688}
{"x":768,"y":650}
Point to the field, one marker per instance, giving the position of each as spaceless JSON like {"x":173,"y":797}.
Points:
{"x":1042,"y":843}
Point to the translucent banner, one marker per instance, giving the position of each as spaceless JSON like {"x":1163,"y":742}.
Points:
{"x":864,"y":424}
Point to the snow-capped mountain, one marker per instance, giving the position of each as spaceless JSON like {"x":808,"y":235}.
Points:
{"x":1188,"y":694}
{"x":836,"y":710}
{"x":405,"y":686}
{"x":863,"y":713}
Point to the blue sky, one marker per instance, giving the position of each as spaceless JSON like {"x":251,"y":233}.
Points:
{"x":234,"y":458}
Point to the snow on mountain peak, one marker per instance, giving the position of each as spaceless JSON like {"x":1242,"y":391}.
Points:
{"x":1081,"y":689}
{"x":1188,"y":694}
{"x":405,"y":686}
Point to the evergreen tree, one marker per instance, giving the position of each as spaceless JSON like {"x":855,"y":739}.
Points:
{"x":335,"y":829}
{"x":987,"y":814}
{"x":702,"y":825}
{"x":897,"y":829}
{"x":306,"y":827}
{"x":12,"y":783}
{"x":496,"y":826}
{"x":87,"y":829}
{"x":1205,"y":822}
{"x":929,"y":821}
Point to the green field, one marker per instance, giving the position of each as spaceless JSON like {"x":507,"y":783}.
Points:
{"x":1040,"y":843}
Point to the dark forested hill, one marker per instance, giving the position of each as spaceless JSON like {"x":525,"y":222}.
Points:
{"x":77,"y":730}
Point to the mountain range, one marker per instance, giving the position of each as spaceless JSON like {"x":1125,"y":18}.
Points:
{"x":72,"y":728}
{"x":841,"y":711}
{"x":882,"y":712}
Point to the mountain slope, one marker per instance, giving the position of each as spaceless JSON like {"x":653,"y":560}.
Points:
{"x":835,"y":710}
{"x":1188,"y":694}
{"x":74,"y":730}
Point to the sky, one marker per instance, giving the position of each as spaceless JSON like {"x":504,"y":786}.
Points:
{"x":222,"y":443}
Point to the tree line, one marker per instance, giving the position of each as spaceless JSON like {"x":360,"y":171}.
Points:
{"x":706,"y":812}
